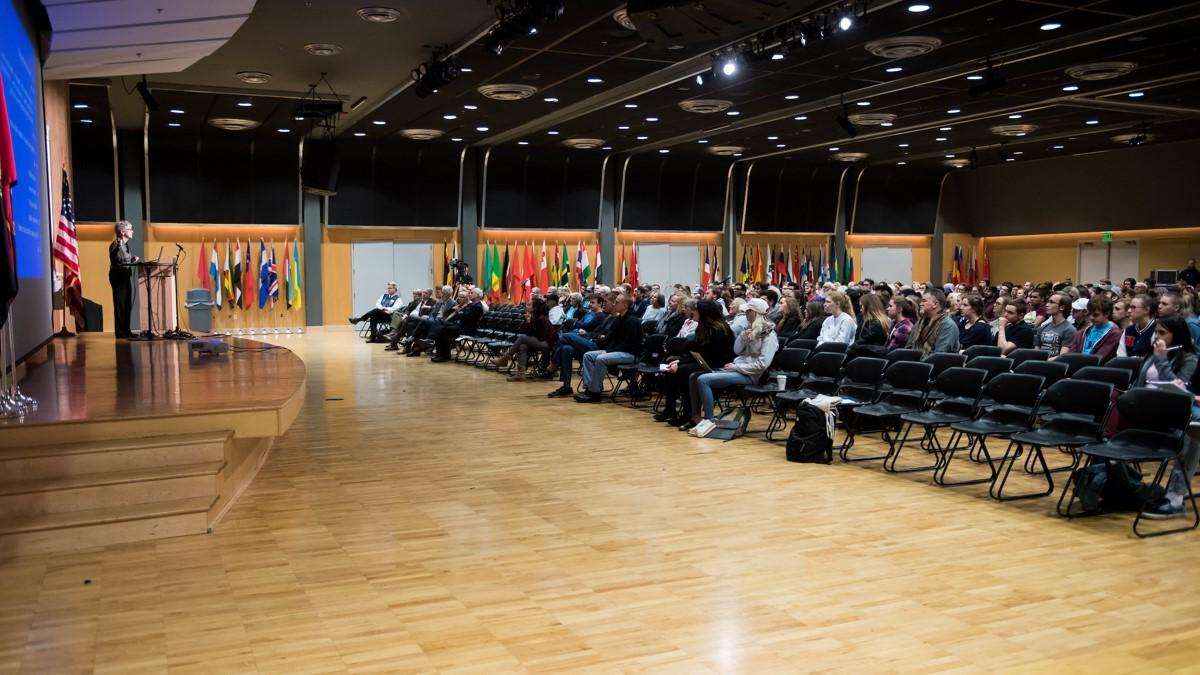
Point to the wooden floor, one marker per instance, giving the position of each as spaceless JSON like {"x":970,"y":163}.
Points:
{"x":428,"y":517}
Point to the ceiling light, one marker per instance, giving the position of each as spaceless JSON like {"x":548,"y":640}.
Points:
{"x":284,"y":131}
{"x":846,"y":22}
{"x":481,"y":128}
{"x":643,"y":138}
{"x":885,"y":124}
{"x":901,"y":163}
{"x":863,"y":103}
{"x":893,"y":69}
{"x":1136,"y":94}
{"x":733,"y":113}
{"x":1015,"y":116}
{"x":550,"y":99}
{"x":791,"y":97}
{"x":80,"y":106}
{"x":360,"y":134}
{"x":456,"y":139}
{"x":630,"y":105}
{"x":176,"y":111}
{"x":772,"y":138}
{"x":974,"y":78}
{"x":953,"y":111}
{"x":945,"y":128}
{"x":834,"y":149}
{"x":729,"y":68}
{"x":1052,"y":25}
{"x":254,"y":77}
{"x":323,"y":49}
{"x":449,"y":117}
{"x":1093,"y":122}
{"x":522,"y":142}
{"x":86,"y":120}
{"x":1059,"y":147}
{"x":551,"y":133}
{"x":244,"y":104}
{"x":700,"y":79}
{"x":378,"y":14}
{"x":781,"y":145}
{"x":1019,"y":152}
{"x":430,"y":76}
{"x":651,"y":119}
{"x":595,"y":80}
{"x":170,"y":124}
{"x":903,"y":145}
{"x":663,"y":151}
{"x":379,"y":123}
{"x":777,"y":56}
{"x":607,"y":147}
{"x":949,"y":156}
{"x":918,"y":8}
{"x":470,"y":107}
{"x":1010,"y":159}
{"x":940,"y":139}
{"x":624,"y":127}
{"x":702,"y":140}
{"x":1071,"y":87}
{"x":737,"y":154}
{"x":465,"y":69}
{"x":298,"y":118}
{"x":800,"y":118}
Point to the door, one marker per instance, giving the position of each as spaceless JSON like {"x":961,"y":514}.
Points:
{"x":412,"y":266}
{"x":371,"y":267}
{"x":886,"y":263}
{"x":1093,"y":262}
{"x":1123,"y":260}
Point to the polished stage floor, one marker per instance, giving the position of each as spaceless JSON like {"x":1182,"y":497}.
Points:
{"x":426,"y":518}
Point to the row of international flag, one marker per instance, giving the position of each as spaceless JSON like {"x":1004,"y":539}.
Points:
{"x":794,"y":264}
{"x":967,"y":267}
{"x":233,"y":283}
{"x":516,"y":268}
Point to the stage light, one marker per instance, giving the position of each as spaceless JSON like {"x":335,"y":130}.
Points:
{"x":519,"y":18}
{"x":700,"y":79}
{"x":147,"y":98}
{"x":729,"y":68}
{"x":846,"y":22}
{"x":918,"y":8}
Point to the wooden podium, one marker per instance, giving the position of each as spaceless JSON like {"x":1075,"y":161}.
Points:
{"x":156,"y":290}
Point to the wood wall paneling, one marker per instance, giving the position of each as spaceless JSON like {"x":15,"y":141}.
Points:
{"x":335,"y":261}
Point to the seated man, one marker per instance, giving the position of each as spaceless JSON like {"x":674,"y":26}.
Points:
{"x":935,"y":330}
{"x":1012,"y":331}
{"x":419,"y":331}
{"x":421,"y":305}
{"x":1102,"y":336}
{"x":462,"y":321}
{"x":580,"y":342}
{"x":621,"y":345}
{"x":387,"y":305}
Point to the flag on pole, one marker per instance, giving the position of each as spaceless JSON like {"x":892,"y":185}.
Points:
{"x":9,"y":284}
{"x":247,"y":281}
{"x":215,"y":273}
{"x":599,"y":267}
{"x":585,"y":268}
{"x":986,"y":274}
{"x":516,"y":285}
{"x":202,"y":268}
{"x":66,"y":251}
{"x":236,"y":279}
{"x":227,"y":273}
{"x":274,"y":277}
{"x":485,"y":281}
{"x":706,"y":273}
{"x":264,"y":275}
{"x":297,"y":295}
{"x":543,"y":277}
{"x":716,"y":265}
{"x":635,"y":279}
{"x":504,"y":271}
{"x":287,"y":276}
{"x":745,"y":269}
{"x":554,"y":276}
{"x":564,"y":269}
{"x":531,"y":270}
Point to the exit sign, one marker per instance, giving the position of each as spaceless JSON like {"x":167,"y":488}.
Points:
{"x":1107,"y":236}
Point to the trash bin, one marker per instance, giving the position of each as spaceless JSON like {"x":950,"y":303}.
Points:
{"x":199,"y":305}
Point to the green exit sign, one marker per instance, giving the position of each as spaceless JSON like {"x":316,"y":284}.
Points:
{"x":1107,"y":236}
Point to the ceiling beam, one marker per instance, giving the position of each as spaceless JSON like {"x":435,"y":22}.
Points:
{"x":1134,"y":107}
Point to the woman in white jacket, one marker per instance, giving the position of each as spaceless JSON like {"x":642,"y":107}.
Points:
{"x":755,"y":348}
{"x":839,"y":325}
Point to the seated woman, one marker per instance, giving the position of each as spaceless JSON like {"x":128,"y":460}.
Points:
{"x":791,"y":318}
{"x":814,"y":317}
{"x":876,"y":324}
{"x":1172,"y":364}
{"x":538,"y":334}
{"x":657,"y":308}
{"x":903,"y":314}
{"x":713,"y":341}
{"x":840,"y":325}
{"x":573,"y":310}
{"x":692,"y":318}
{"x":973,"y":330}
{"x":755,"y":348}
{"x":670,"y":323}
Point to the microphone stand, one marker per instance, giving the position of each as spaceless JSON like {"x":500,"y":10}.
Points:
{"x":177,"y":333}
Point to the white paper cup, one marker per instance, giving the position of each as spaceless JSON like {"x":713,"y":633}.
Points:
{"x":781,"y":382}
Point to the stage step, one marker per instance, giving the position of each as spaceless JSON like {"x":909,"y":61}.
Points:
{"x":22,"y":499}
{"x":51,"y":461}
{"x":86,"y":528}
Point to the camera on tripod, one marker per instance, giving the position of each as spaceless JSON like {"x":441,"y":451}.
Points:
{"x":454,"y":263}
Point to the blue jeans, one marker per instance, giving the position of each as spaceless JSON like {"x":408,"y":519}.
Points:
{"x":595,"y":366}
{"x":702,"y":385}
{"x":570,"y":344}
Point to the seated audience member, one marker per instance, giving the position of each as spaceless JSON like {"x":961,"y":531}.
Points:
{"x":814,"y":318}
{"x":574,"y":309}
{"x":737,"y":315}
{"x":387,"y":305}
{"x":621,"y":345}
{"x":413,"y":312}
{"x":462,"y":321}
{"x":574,"y":344}
{"x":1172,"y":303}
{"x":903,"y":313}
{"x":1102,"y":336}
{"x":1189,"y":274}
{"x":1012,"y":332}
{"x":840,"y":324}
{"x":1120,"y":311}
{"x":713,"y":341}
{"x":934,"y":331}
{"x":1055,"y":334}
{"x":554,"y":312}
{"x":754,"y":348}
{"x":401,"y":313}
{"x":657,"y":309}
{"x":1172,"y":364}
{"x":773,"y":310}
{"x":641,"y":302}
{"x":418,"y":330}
{"x":1137,"y":339}
{"x":1035,"y":307}
{"x":875,"y":322}
{"x":691,"y":320}
{"x":1079,"y":313}
{"x":537,"y":333}
{"x":791,"y":318}
{"x":973,"y":330}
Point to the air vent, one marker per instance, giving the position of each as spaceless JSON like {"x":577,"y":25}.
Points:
{"x":705,"y":106}
{"x":1101,"y":71}
{"x":871,"y":119}
{"x":507,"y":92}
{"x":583,"y":143}
{"x":849,"y":156}
{"x":1014,"y":130}
{"x":621,"y":16}
{"x":232,"y":124}
{"x":378,"y":14}
{"x":903,"y":46}
{"x":958,"y":163}
{"x":421,"y":134}
{"x":726,"y":150}
{"x":323,"y":49}
{"x":254,"y":77}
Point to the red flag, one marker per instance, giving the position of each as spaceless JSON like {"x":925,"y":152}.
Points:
{"x":8,"y":178}
{"x":706,"y":276}
{"x":202,"y":268}
{"x":543,"y":274}
{"x":530,"y":271}
{"x":633,"y":270}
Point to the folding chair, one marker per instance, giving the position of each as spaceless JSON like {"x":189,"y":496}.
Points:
{"x":1051,"y":371}
{"x":789,"y":363}
{"x":859,"y":387}
{"x":1013,"y":394}
{"x":910,"y":384}
{"x":1076,"y":361}
{"x":1119,"y":378}
{"x":960,"y":390}
{"x":653,"y":351}
{"x":1023,"y":354}
{"x":1131,"y":363}
{"x":982,"y":350}
{"x":822,"y":376}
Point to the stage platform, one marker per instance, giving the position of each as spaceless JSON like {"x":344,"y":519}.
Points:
{"x":135,"y":439}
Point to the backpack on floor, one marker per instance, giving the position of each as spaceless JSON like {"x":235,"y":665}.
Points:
{"x":809,"y":441}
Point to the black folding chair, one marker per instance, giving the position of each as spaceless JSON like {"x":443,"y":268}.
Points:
{"x":1131,"y":363}
{"x":788,"y":362}
{"x":1156,"y":422}
{"x":941,"y":361}
{"x":823,"y":374}
{"x":994,"y":365}
{"x":1076,"y":361}
{"x":910,"y":384}
{"x":961,"y":389}
{"x":831,"y":348}
{"x":903,"y":355}
{"x":982,"y":350}
{"x":1119,"y":378}
{"x":861,"y":380}
{"x":632,"y":374}
{"x":1013,"y":394}
{"x":1088,"y":404}
{"x":1023,"y":354}
{"x":1051,"y":371}
{"x":803,"y":343}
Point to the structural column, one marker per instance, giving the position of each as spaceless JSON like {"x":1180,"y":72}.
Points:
{"x":313,"y":208}
{"x":131,"y":149}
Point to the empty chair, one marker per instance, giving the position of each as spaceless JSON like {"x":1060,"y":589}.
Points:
{"x":831,"y":348}
{"x":1156,"y":422}
{"x":822,"y":377}
{"x":1131,"y":363}
{"x":1087,"y":404}
{"x":941,"y":361}
{"x":1051,"y":371}
{"x":903,"y":355}
{"x":1076,"y":361}
{"x":1119,"y":378}
{"x":803,"y":343}
{"x":961,"y":389}
{"x":982,"y":350}
{"x":1013,"y":394}
{"x":910,"y":384}
{"x":1021,"y":355}
{"x":994,"y":365}
{"x":788,"y":362}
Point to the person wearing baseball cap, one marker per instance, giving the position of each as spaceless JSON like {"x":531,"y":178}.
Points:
{"x":755,"y":348}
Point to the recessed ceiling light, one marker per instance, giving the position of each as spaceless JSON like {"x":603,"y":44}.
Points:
{"x":940,"y":139}
{"x":663,"y":151}
{"x":360,"y":134}
{"x":1052,"y":25}
{"x":1015,"y":116}
{"x":86,"y":120}
{"x":595,"y":80}
{"x":465,"y":69}
{"x":1059,"y":147}
{"x":733,"y":113}
{"x":378,"y":123}
{"x":903,"y":145}
{"x":323,"y":49}
{"x":522,"y":142}
{"x":550,"y":99}
{"x":893,"y":69}
{"x":244,"y":104}
{"x":1010,"y":159}
{"x":974,"y":77}
{"x":651,"y":119}
{"x":449,"y":117}
{"x":800,"y":118}
{"x":624,"y":127}
{"x":834,"y":149}
{"x":863,"y":103}
{"x":643,"y":138}
{"x":918,"y":8}
{"x":172,"y":124}
{"x":901,"y":163}
{"x":1136,"y":94}
{"x":737,"y":154}
{"x":791,"y":97}
{"x":80,"y":106}
{"x":456,"y":139}
{"x":284,"y":131}
{"x":945,"y":128}
{"x":845,"y":23}
{"x":949,"y":156}
{"x":176,"y":111}
{"x":552,"y":133}
{"x":772,"y":138}
{"x":378,"y":14}
{"x":885,"y":124}
{"x":781,"y":145}
{"x":1071,"y":87}
{"x":630,"y":105}
{"x":254,"y":77}
{"x":1093,"y":122}
{"x":298,"y":118}
{"x":607,"y":147}
{"x":702,"y":140}
{"x":470,"y":107}
{"x":953,"y":111}
{"x":1019,"y":152}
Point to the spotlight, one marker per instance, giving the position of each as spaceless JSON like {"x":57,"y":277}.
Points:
{"x":700,"y":79}
{"x":433,"y":75}
{"x":519,"y":18}
{"x":846,"y":22}
{"x":991,"y":82}
{"x":726,"y":65}
{"x":144,"y":90}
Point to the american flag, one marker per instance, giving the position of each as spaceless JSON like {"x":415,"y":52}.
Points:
{"x":66,"y":245}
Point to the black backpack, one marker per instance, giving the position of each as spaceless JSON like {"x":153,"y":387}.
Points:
{"x":808,"y":441}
